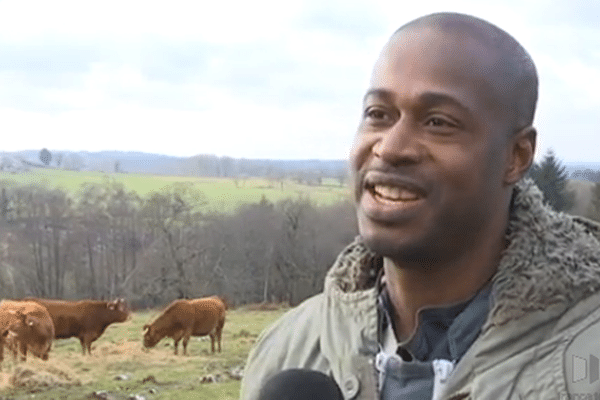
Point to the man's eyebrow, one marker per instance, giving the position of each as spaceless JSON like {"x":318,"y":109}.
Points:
{"x":427,"y":99}
{"x":430,"y":99}
{"x":378,"y":93}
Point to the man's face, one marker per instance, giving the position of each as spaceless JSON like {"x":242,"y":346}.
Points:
{"x":431,"y":149}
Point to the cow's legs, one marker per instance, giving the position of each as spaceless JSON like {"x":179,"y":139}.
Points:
{"x":186,"y":338}
{"x":177,"y":344}
{"x":23,"y":347}
{"x":177,"y":337}
{"x":84,"y":344}
{"x":212,"y":341}
{"x":219,"y":332}
{"x":15,"y":350}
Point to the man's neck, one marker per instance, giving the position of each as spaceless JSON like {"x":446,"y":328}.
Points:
{"x":413,"y":288}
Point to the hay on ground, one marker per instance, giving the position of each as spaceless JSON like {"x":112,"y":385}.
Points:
{"x":37,"y":376}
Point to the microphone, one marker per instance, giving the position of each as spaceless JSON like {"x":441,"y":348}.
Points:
{"x":300,"y":384}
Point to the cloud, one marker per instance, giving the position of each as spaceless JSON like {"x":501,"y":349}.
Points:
{"x":248,"y":79}
{"x":171,"y":61}
{"x":176,"y":74}
{"x":48,"y":63}
{"x":348,"y":19}
{"x":575,"y":14}
{"x":48,"y":67}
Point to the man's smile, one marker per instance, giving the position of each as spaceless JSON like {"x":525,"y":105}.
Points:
{"x":388,"y":196}
{"x":393,"y":193}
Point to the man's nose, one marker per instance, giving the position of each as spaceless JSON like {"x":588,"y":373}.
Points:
{"x":399,"y":144}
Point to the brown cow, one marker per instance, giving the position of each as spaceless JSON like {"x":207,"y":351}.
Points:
{"x":84,"y":319}
{"x":28,"y":326}
{"x":185,"y":318}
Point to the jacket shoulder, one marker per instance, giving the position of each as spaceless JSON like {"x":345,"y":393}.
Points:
{"x":581,"y":358}
{"x":293,"y":341}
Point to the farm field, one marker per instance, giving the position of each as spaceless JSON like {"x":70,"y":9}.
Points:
{"x":221,"y":194}
{"x":120,"y":368}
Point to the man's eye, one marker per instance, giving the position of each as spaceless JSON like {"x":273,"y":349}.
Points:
{"x":439,"y":122}
{"x":376,"y":114}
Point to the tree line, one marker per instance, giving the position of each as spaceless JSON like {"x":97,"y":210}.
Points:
{"x":111,"y":243}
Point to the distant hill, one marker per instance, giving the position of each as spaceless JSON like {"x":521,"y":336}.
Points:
{"x":215,"y":166}
{"x":159,"y":164}
{"x":583,"y":171}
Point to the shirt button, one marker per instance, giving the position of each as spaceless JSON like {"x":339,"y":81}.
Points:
{"x":351,"y":387}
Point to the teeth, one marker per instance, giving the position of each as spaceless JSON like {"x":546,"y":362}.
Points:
{"x":394,"y":193}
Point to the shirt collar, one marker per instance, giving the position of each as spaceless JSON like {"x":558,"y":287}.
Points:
{"x":448,"y":329}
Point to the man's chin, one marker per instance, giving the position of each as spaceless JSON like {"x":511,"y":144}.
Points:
{"x":392,"y":242}
{"x":381,"y":246}
{"x":396,"y":250}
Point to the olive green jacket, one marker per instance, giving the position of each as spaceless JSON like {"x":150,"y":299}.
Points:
{"x":541,"y":339}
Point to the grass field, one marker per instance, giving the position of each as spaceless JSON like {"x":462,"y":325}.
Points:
{"x":120,"y":368}
{"x":222,"y":194}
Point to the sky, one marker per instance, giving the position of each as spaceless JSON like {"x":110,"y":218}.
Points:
{"x":261,"y":79}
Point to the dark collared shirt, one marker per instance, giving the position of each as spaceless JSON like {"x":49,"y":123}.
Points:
{"x":410,"y":369}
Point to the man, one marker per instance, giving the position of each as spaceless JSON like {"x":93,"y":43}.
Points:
{"x":462,"y":283}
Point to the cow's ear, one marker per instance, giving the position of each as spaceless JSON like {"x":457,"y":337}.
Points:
{"x":145,"y":327}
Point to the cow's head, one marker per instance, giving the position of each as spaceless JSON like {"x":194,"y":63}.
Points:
{"x":20,"y":322}
{"x":119,"y":309}
{"x":150,"y":336}
{"x":25,"y":325}
{"x":30,"y":330}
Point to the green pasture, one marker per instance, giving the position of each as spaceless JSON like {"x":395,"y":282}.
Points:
{"x":221,"y":194}
{"x":120,"y":368}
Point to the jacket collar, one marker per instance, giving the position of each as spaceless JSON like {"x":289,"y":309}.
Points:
{"x":552,"y":259}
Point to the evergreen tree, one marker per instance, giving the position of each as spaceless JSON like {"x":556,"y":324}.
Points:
{"x":45,"y":156}
{"x":551,"y":177}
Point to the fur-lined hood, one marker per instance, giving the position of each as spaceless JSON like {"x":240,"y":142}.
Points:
{"x":552,"y":259}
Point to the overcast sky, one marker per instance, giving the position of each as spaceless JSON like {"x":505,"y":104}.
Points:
{"x":255,"y":79}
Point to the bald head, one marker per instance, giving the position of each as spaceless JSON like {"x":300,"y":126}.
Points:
{"x":511,"y":72}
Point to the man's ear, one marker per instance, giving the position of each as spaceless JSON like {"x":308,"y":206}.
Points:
{"x":522,"y":149}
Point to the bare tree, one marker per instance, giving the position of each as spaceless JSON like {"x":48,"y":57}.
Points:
{"x":108,"y":217}
{"x":173,"y":215}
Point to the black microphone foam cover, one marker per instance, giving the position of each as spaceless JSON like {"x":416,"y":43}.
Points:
{"x":300,"y":384}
